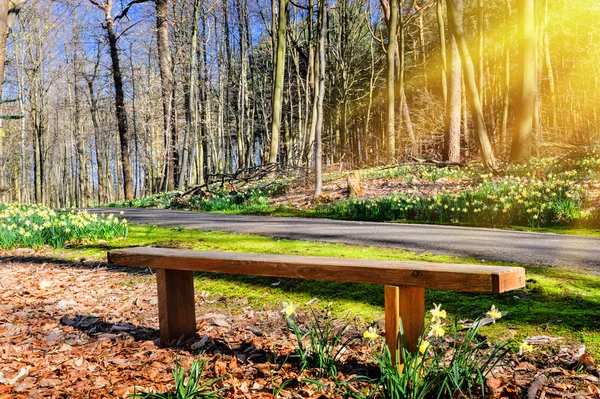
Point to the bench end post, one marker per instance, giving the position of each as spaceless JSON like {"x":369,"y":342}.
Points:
{"x":176,"y":309}
{"x":408,"y":304}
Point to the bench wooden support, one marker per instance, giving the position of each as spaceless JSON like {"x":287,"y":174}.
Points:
{"x":176,"y":310}
{"x":404,"y":282}
{"x":408,"y":305}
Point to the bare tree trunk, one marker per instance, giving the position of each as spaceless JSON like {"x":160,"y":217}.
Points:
{"x":278,"y":81}
{"x":442,"y":34}
{"x":480,"y":51}
{"x":414,"y":145}
{"x":120,"y":106}
{"x":136,"y":144}
{"x":318,"y":138}
{"x":3,"y":36}
{"x":190,"y":97}
{"x":548,"y":63}
{"x":487,"y":153}
{"x":506,"y":88}
{"x":93,"y":106}
{"x":453,"y":107}
{"x":166,"y":77}
{"x":84,"y":187}
{"x":523,"y":135}
{"x":391,"y":58}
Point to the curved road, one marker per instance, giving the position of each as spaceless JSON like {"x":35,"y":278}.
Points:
{"x":479,"y":243}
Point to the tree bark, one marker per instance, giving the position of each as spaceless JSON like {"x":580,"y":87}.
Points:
{"x":391,"y":58}
{"x":487,"y":153}
{"x":190,"y":97}
{"x":506,"y":78}
{"x":523,"y":134}
{"x":318,"y":132}
{"x":166,"y":78}
{"x":278,"y":81}
{"x":120,"y":103}
{"x":442,"y":34}
{"x":453,"y":106}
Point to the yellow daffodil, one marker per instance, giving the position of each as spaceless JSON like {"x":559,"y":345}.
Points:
{"x":525,"y":347}
{"x":424,"y":347}
{"x":494,"y":313}
{"x":288,"y":308}
{"x":437,"y":330}
{"x":371,"y":334}
{"x":437,"y":314}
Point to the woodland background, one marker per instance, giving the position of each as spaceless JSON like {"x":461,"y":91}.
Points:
{"x":107,"y":99}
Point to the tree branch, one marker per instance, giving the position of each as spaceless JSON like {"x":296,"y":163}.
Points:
{"x":124,"y":12}
{"x":95,"y":3}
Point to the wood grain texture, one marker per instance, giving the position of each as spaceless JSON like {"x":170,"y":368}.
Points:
{"x":176,"y":310}
{"x":392,"y":312}
{"x":405,"y":305}
{"x":412,"y":312}
{"x":470,"y":278}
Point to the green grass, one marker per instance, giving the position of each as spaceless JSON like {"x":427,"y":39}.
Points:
{"x":581,"y":231}
{"x":556,"y":301}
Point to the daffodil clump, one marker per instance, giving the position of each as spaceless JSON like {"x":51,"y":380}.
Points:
{"x":321,"y":343}
{"x":449,"y":359}
{"x":513,"y":200}
{"x":419,"y":172}
{"x":36,"y":226}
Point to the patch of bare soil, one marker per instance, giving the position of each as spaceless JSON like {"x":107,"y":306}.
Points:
{"x":90,"y":331}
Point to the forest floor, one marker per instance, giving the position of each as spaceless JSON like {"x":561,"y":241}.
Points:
{"x":300,"y":195}
{"x":90,"y":331}
{"x":73,"y":326}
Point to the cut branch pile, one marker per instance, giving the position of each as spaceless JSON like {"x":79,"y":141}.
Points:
{"x":241,"y":178}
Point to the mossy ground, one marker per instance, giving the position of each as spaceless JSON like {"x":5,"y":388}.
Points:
{"x":556,"y":301}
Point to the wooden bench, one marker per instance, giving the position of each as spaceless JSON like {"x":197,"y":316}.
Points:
{"x":404,"y":282}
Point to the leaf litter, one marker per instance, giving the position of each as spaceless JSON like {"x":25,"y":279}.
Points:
{"x":91,"y":331}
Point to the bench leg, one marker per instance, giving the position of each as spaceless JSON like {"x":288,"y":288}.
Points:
{"x":407,"y":303}
{"x":176,"y":312}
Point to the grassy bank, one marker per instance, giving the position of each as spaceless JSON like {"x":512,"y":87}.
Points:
{"x":556,"y":301}
{"x":546,"y":193}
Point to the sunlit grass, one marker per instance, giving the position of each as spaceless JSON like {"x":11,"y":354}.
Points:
{"x":556,"y":301}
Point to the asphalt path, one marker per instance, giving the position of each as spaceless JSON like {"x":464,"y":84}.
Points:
{"x":480,"y":243}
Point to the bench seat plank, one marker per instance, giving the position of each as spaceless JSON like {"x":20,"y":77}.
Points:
{"x":443,"y":276}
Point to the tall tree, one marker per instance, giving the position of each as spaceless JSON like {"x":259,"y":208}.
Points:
{"x":453,"y":106}
{"x":523,"y":133}
{"x":392,"y":45}
{"x":166,"y":78}
{"x":278,"y":80}
{"x":109,"y":27}
{"x":190,"y":95}
{"x":473,"y":97}
{"x":319,"y":129}
{"x":439,"y":11}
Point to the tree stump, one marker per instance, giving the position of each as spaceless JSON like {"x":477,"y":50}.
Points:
{"x":354,"y":187}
